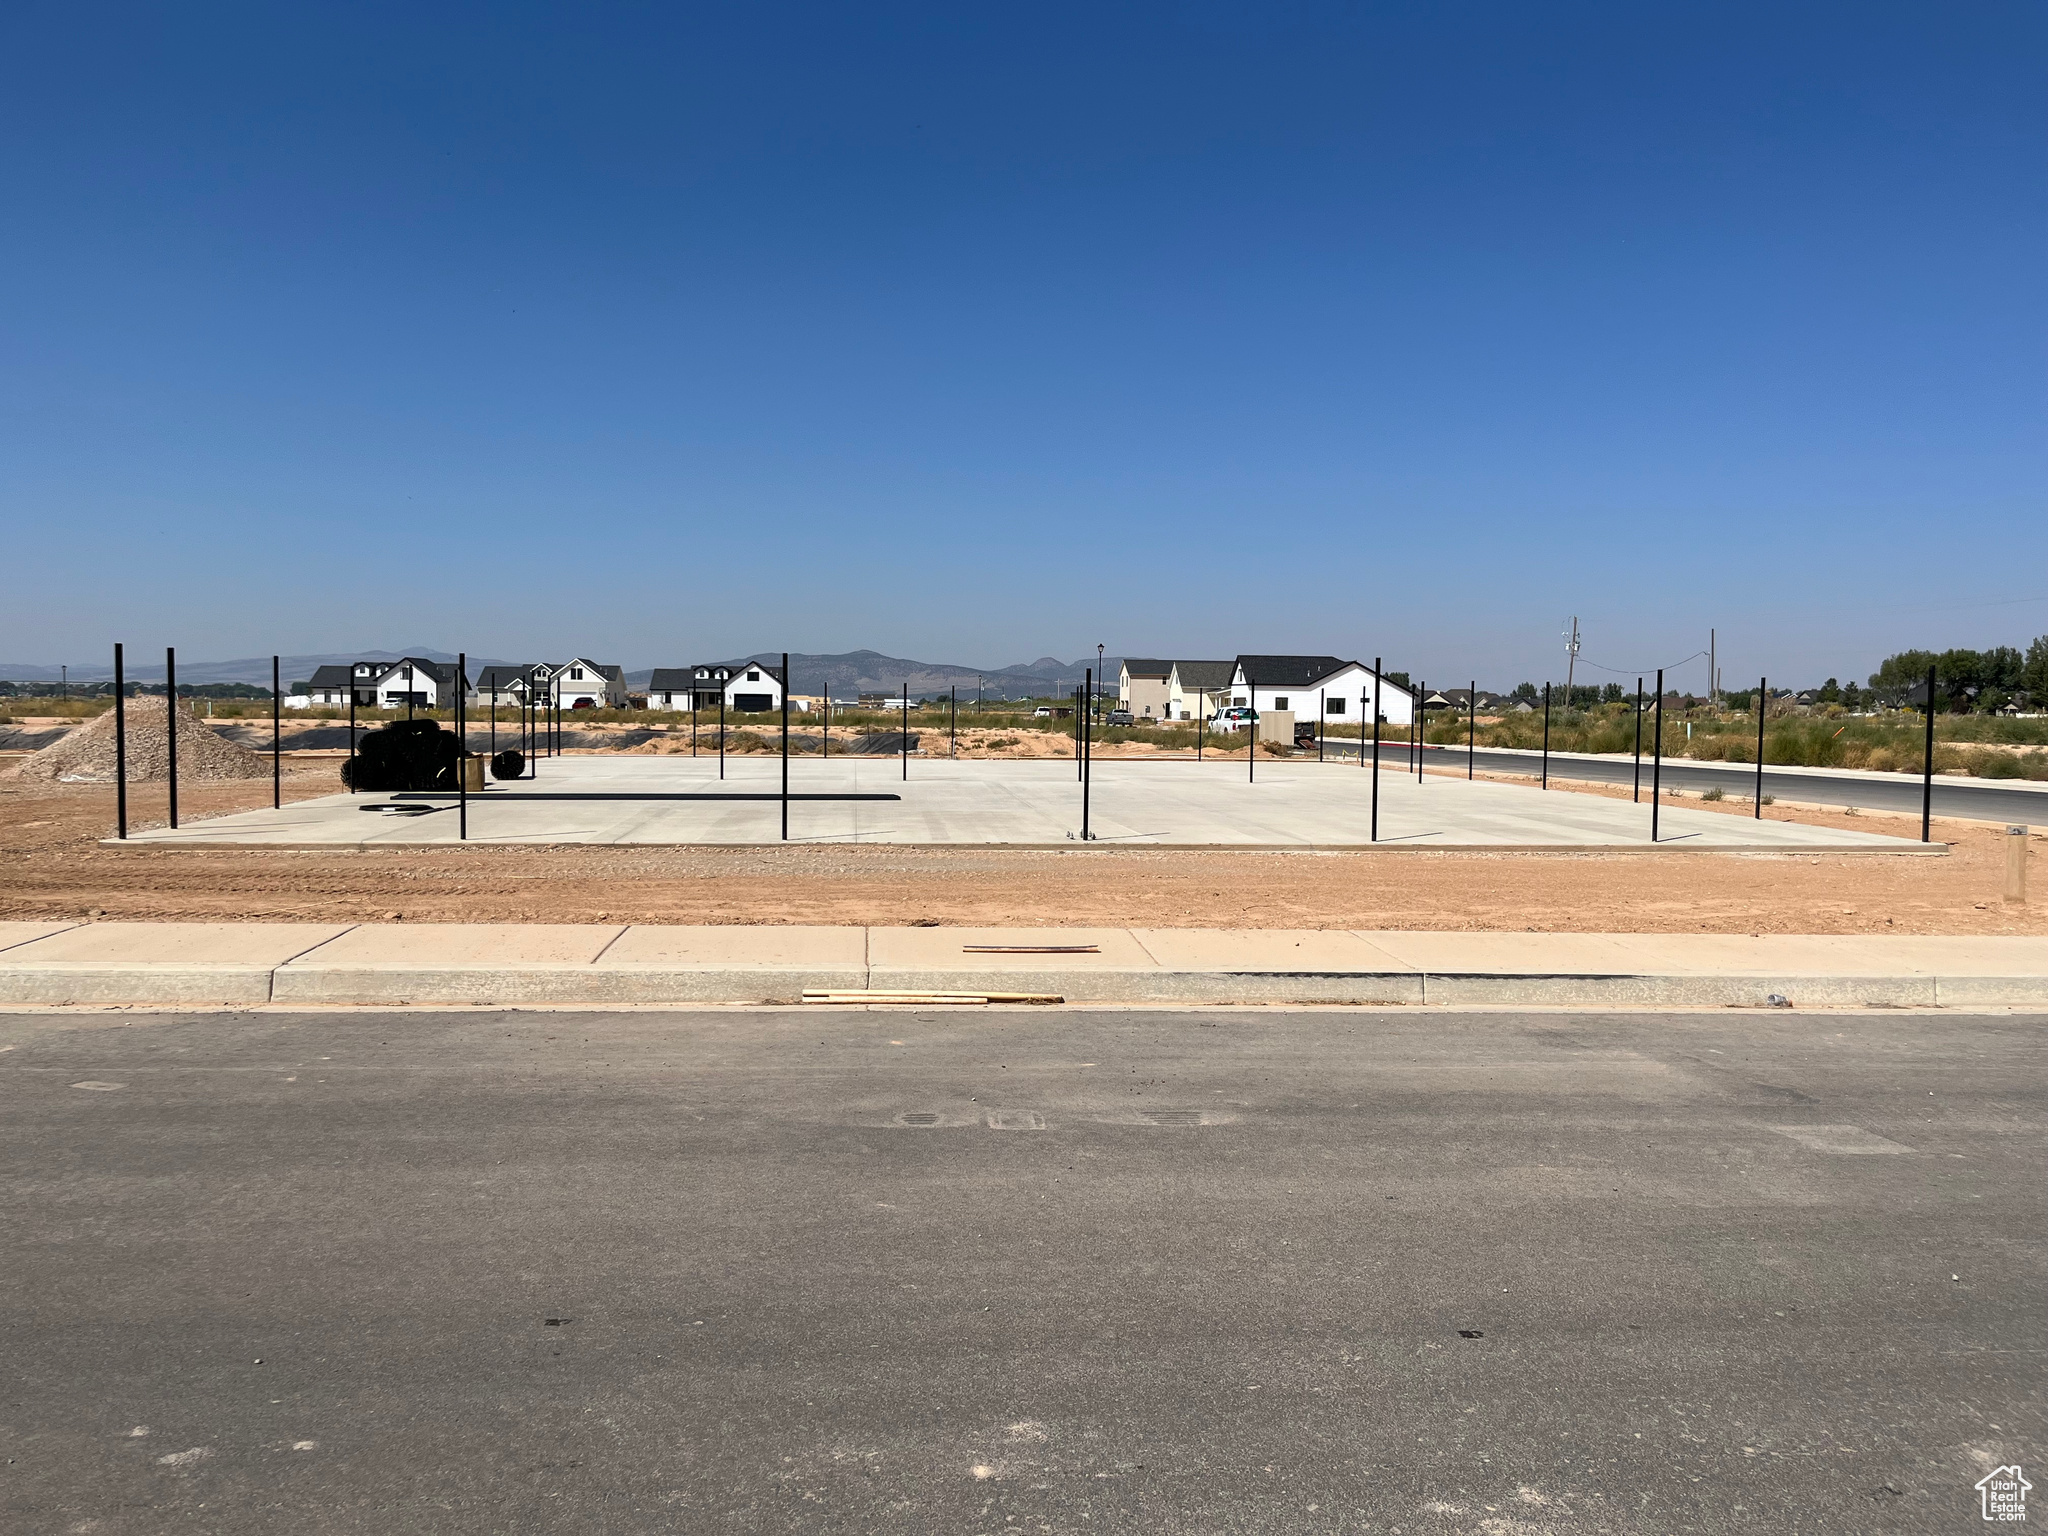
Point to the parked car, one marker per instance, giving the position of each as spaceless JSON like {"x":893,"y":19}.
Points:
{"x":1239,"y":718}
{"x":1119,"y":717}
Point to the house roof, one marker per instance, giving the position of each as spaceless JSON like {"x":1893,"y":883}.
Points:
{"x":496,"y":679}
{"x":672,"y":680}
{"x":1289,"y":671}
{"x":1204,"y":675}
{"x":334,"y":675}
{"x":441,"y":672}
{"x":1139,"y":666}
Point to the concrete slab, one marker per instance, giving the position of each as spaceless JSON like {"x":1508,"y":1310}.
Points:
{"x":156,"y":962}
{"x":936,"y":960}
{"x":452,"y":963}
{"x":1036,"y":804}
{"x":600,"y":964}
{"x":1307,"y":965}
{"x":749,"y":964}
{"x":12,"y":934}
{"x":794,"y":947}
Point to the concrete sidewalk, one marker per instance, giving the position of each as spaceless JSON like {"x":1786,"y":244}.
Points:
{"x":595,"y":965}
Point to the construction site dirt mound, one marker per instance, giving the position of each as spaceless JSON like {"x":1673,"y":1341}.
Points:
{"x":86,"y":755}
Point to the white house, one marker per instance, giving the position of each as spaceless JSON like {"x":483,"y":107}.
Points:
{"x":504,"y":687}
{"x":746,"y":687}
{"x":387,"y":684}
{"x":1143,"y":687}
{"x":1195,"y":690}
{"x":582,"y":684}
{"x":1311,"y":687}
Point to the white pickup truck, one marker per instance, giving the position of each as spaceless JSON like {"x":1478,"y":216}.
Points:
{"x":1239,"y":718}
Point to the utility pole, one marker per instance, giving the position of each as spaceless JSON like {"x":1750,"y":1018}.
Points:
{"x":1713,"y":674}
{"x":1571,"y":659}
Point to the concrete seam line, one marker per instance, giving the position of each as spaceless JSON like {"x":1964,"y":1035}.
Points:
{"x":608,"y":943}
{"x":36,"y":938}
{"x":1133,"y":934}
{"x":345,"y":932}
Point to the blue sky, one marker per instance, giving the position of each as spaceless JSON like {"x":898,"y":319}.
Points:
{"x":979,"y":333}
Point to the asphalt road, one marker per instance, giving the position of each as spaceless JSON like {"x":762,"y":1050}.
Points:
{"x":1159,"y":1272}
{"x":1986,"y":800}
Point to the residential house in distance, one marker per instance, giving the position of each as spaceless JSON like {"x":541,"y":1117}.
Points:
{"x":672,"y":688}
{"x":504,"y":687}
{"x":1143,"y":687}
{"x":583,"y":684}
{"x":747,"y":687}
{"x":1304,"y":685}
{"x":1195,"y":690}
{"x":387,"y":684}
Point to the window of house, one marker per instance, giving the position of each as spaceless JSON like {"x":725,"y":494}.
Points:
{"x":1279,"y":701}
{"x":753,"y":677}
{"x":1336,"y":706}
{"x":575,"y":674}
{"x":1237,"y":701}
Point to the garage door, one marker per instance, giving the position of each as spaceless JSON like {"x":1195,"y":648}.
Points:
{"x":753,"y":703}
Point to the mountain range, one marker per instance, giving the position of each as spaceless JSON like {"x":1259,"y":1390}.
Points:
{"x":843,"y":674}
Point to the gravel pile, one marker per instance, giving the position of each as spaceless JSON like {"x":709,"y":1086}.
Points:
{"x":86,"y":755}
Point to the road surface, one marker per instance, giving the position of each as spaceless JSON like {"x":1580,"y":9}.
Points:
{"x":1025,"y":1271}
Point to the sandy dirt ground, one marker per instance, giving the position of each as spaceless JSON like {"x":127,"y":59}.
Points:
{"x":52,"y":865}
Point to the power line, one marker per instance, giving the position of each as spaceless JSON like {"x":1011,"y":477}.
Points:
{"x":1668,"y":666}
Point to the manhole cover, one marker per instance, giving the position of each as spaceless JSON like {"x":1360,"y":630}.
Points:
{"x":1175,"y":1117}
{"x":920,"y":1119}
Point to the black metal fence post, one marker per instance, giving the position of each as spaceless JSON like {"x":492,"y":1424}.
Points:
{"x":1471,"y":729}
{"x":1375,"y":749}
{"x":1087,"y":746}
{"x":1322,"y":715}
{"x":721,"y":731}
{"x":785,"y":746}
{"x":276,"y":740}
{"x":903,"y":739}
{"x":1926,"y":769}
{"x":953,"y":726}
{"x":1763,"y":703}
{"x":120,"y":747}
{"x":1546,"y":736}
{"x":1657,"y":761}
{"x":171,"y":726}
{"x":1251,"y":756}
{"x":1639,"y":742}
{"x":351,"y":729}
{"x":461,"y":748}
{"x":1421,"y":719}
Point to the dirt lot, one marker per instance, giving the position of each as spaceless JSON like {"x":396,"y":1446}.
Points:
{"x":53,"y":866}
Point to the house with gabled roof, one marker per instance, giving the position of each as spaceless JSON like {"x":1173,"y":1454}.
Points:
{"x":1142,"y":687}
{"x":1195,"y":690}
{"x":1318,"y":687}
{"x":580,"y":683}
{"x":745,"y":687}
{"x":505,"y":687}
{"x":388,"y":684}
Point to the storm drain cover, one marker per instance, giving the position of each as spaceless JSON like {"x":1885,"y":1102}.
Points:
{"x":920,"y":1119}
